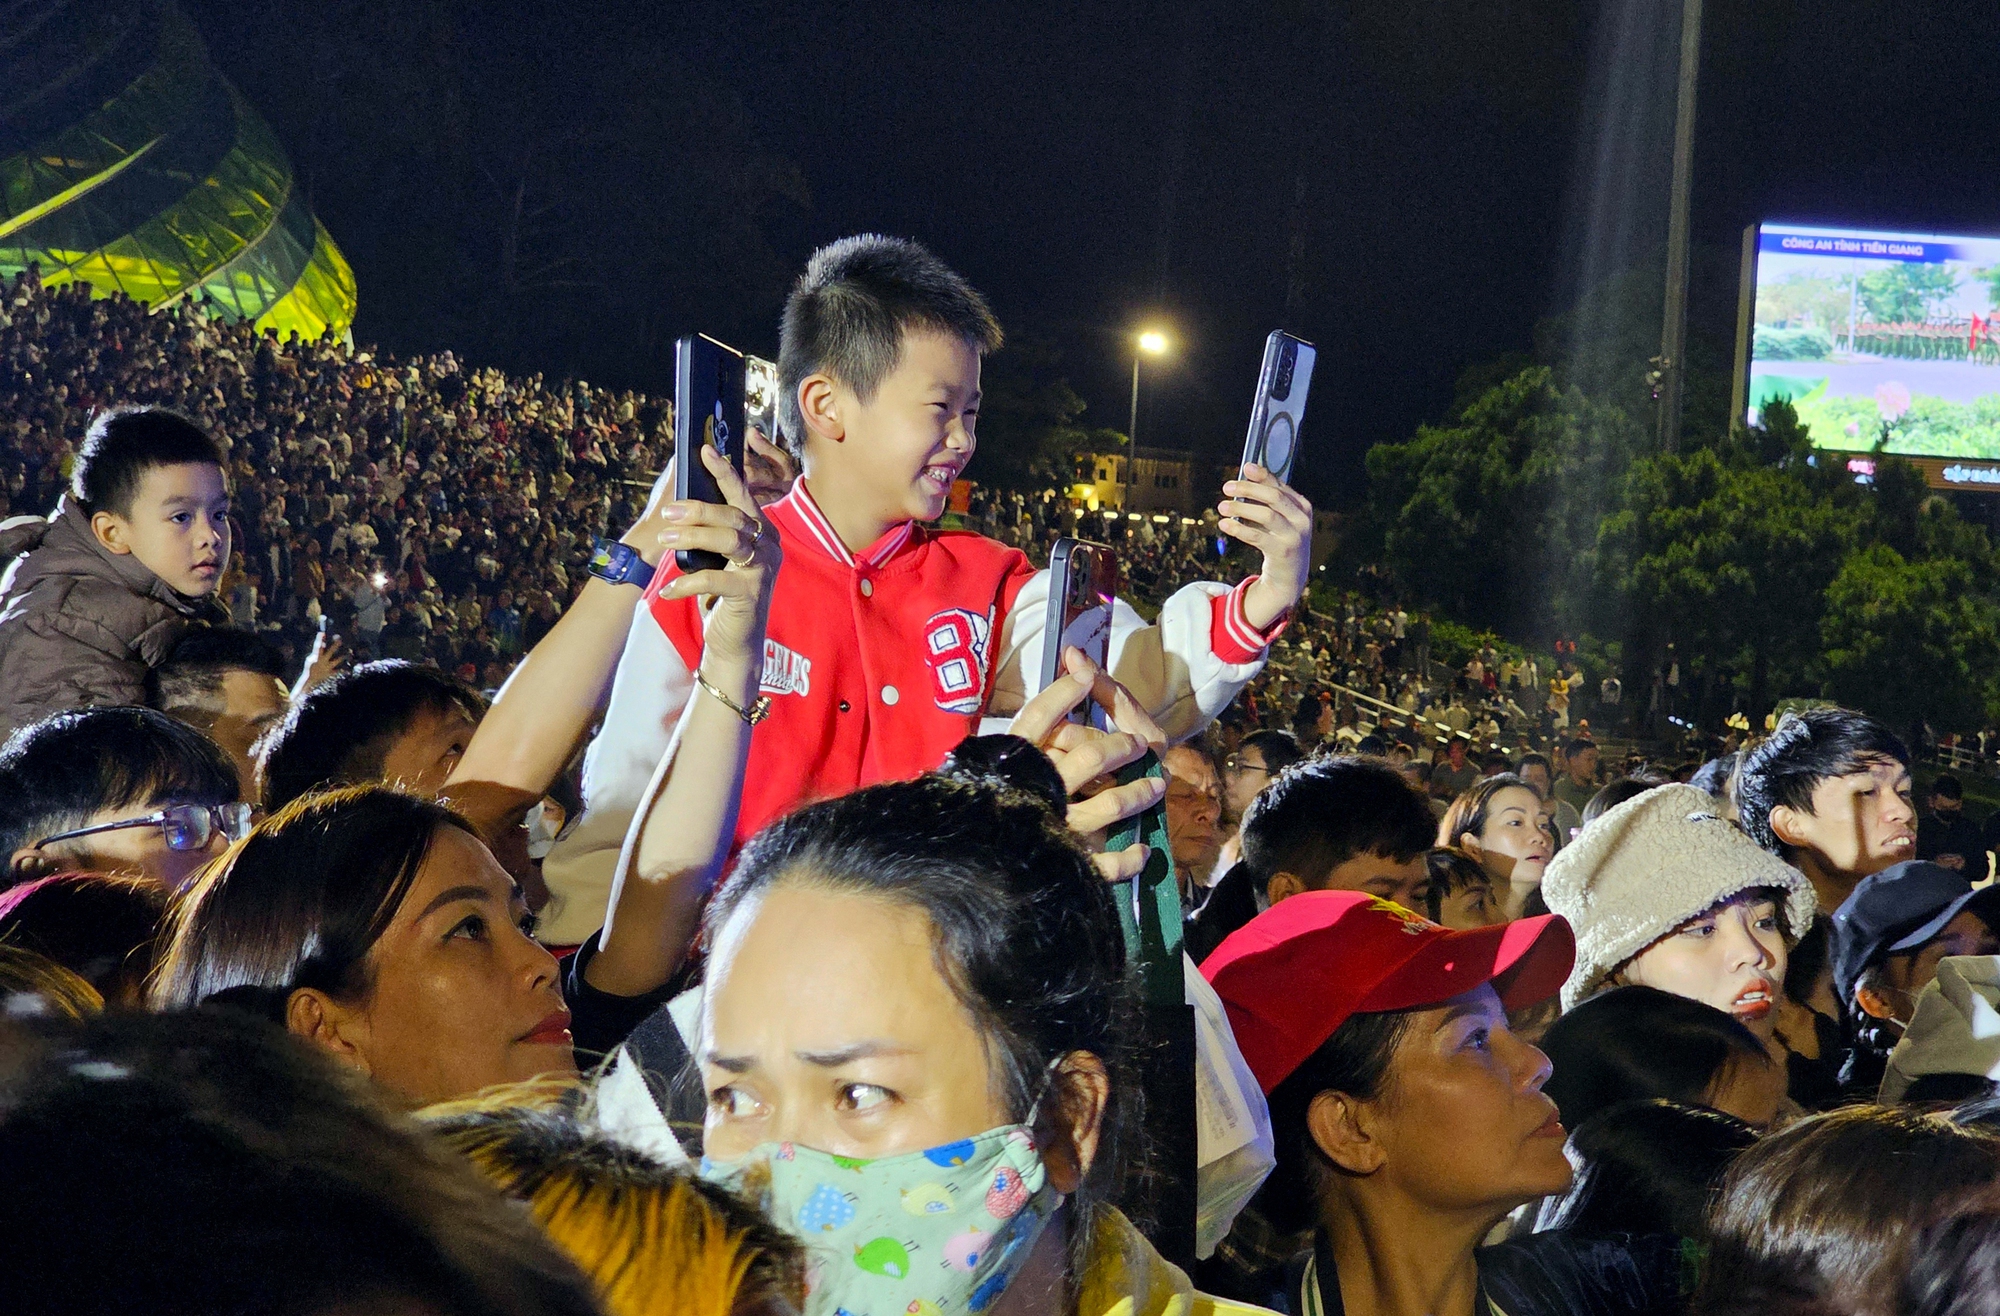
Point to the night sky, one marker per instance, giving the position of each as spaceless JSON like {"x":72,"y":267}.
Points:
{"x":1415,"y":165}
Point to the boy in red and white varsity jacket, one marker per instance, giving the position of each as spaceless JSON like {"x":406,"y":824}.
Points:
{"x":889,"y":640}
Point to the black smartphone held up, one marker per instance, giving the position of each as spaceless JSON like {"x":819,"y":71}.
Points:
{"x":1083,"y":584}
{"x":708,"y":413}
{"x":1280,"y":407}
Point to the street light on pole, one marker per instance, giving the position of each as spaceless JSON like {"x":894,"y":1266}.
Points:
{"x":1151,"y":343}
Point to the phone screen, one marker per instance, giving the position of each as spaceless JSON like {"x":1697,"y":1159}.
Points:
{"x":1279,"y":409}
{"x":1083,"y":586}
{"x":708,"y":412}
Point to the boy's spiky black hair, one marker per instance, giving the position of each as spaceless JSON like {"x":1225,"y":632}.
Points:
{"x":848,"y":312}
{"x":126,"y":442}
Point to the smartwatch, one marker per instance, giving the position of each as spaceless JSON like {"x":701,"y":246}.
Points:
{"x":619,"y":563}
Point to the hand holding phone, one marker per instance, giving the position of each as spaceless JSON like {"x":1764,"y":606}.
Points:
{"x":1083,"y":585}
{"x":1259,"y":507}
{"x":708,"y":413}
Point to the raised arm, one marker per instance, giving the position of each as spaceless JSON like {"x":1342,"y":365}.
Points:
{"x":681,"y":833}
{"x":547,"y":706}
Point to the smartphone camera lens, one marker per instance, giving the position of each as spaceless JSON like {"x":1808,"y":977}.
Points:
{"x":1288,"y":361}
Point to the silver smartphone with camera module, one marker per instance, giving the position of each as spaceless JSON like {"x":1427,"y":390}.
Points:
{"x":1280,"y":406}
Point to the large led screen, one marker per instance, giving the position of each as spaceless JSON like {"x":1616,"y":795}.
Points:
{"x":1880,"y":337}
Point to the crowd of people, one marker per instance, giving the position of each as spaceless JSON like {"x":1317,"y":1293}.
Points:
{"x":765,"y":931}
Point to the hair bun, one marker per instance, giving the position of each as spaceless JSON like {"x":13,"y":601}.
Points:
{"x":1011,"y":762}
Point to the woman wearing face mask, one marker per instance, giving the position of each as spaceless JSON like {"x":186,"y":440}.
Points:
{"x":1407,"y":1119}
{"x":916,"y":1045}
{"x":1502,"y":823}
{"x":1664,"y":893}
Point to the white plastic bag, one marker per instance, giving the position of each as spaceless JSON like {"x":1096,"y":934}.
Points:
{"x":1234,"y":1151}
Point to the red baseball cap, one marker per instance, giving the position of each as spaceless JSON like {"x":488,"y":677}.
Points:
{"x":1293,"y":974}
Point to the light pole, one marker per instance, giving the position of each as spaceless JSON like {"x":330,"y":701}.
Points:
{"x":1151,"y":343}
{"x":1673,"y":333}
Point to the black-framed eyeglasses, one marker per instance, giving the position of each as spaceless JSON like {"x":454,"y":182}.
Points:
{"x":183,"y":826}
{"x":1235,"y":763}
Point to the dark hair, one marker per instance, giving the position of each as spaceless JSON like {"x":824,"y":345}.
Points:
{"x":1713,"y":776}
{"x":56,"y":773}
{"x":1354,"y":1060}
{"x":1952,"y":1266}
{"x":1534,"y":761}
{"x":1638,"y":1044}
{"x":1578,"y":745}
{"x":198,"y":1163}
{"x":124,"y":443}
{"x":1947,"y":786}
{"x":189,"y":682}
{"x":1027,"y":932}
{"x":1468,"y":812}
{"x":341,"y":733}
{"x":101,"y":927}
{"x":1819,"y":1208}
{"x":1497,"y":758}
{"x":1279,"y":748}
{"x":1318,"y":814}
{"x":1614,"y":793}
{"x":299,"y":902}
{"x":848,"y":313}
{"x":1646,"y":1167}
{"x":1450,"y":869}
{"x":1804,"y":750}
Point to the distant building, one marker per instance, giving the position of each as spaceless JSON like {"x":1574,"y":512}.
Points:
{"x":1100,"y":481}
{"x":128,"y":162}
{"x":1162,"y":480}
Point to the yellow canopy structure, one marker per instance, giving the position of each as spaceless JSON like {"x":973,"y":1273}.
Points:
{"x":128,"y":162}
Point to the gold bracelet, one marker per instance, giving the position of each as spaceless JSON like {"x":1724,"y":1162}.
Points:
{"x":754,"y":714}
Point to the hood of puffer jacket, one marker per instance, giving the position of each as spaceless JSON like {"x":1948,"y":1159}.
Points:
{"x":62,"y":551}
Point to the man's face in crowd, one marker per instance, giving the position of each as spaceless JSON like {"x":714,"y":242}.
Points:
{"x":1894,"y":995}
{"x":1945,"y":807}
{"x":127,"y":851}
{"x":1583,"y":766}
{"x":1860,"y":822}
{"x":1194,"y":810}
{"x":1537,"y":776}
{"x":1244,"y":775}
{"x":423,"y":757}
{"x":251,"y":704}
{"x":1385,"y":876}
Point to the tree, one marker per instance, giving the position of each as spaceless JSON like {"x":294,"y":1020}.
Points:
{"x":1493,"y":517}
{"x":1908,"y":640}
{"x":1029,"y":435}
{"x":1905,"y":291}
{"x":1729,"y":557}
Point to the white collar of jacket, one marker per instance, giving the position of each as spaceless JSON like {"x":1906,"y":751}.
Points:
{"x":819,"y":532}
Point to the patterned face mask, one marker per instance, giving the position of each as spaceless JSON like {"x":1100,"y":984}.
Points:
{"x":931,"y":1233}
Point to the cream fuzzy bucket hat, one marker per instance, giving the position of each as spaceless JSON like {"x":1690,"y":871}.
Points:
{"x":1650,"y":865}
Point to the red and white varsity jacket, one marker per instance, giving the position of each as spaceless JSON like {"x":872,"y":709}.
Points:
{"x":877,"y":664}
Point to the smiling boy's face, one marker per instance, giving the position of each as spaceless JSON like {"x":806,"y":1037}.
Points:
{"x":178,"y":526}
{"x":901,"y":449}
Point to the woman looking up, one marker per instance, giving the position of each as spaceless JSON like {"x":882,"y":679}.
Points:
{"x":1503,"y":823}
{"x":1407,"y":1119}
